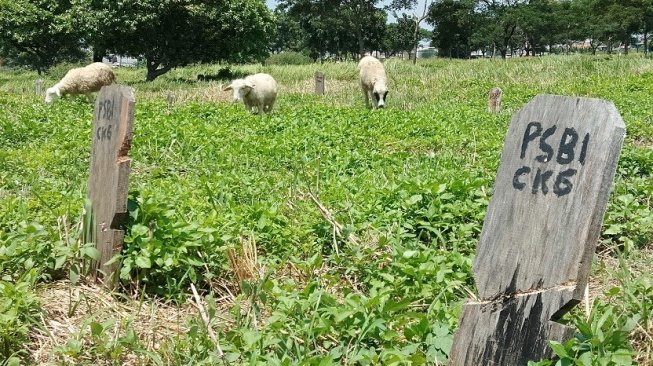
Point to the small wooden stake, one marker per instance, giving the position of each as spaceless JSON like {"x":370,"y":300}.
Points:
{"x":171,"y":98}
{"x":109,"y":174}
{"x":38,"y":87}
{"x":319,"y":83}
{"x":494,"y":100}
{"x":541,"y":228}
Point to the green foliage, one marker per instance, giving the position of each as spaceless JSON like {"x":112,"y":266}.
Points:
{"x":18,"y":311}
{"x":339,"y":28}
{"x":412,"y":182}
{"x":165,"y":253}
{"x":176,"y":33}
{"x":96,"y":341}
{"x":289,"y":35}
{"x":454,"y":23}
{"x":39,"y":34}
{"x":605,"y":337}
{"x":288,"y":58}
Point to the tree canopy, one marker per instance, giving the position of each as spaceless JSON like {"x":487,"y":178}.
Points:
{"x":174,"y":33}
{"x":39,"y":33}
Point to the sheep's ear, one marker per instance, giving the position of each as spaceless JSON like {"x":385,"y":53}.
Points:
{"x":228,"y":87}
{"x":58,"y":92}
{"x":249,"y":85}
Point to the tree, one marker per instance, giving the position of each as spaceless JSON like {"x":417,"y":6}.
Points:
{"x":400,"y":35}
{"x":174,"y":33}
{"x":569,"y":23}
{"x":453,"y":25}
{"x":621,"y":18}
{"x":339,"y":27}
{"x":646,"y":24}
{"x":415,"y":19}
{"x":39,"y":33}
{"x":500,"y":22}
{"x":288,"y":35}
{"x":536,"y":23}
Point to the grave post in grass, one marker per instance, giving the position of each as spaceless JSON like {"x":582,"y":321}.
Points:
{"x":319,"y":83}
{"x":535,"y":252}
{"x":109,"y":175}
{"x":38,"y":86}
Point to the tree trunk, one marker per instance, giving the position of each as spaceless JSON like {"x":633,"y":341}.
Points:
{"x":626,"y":44}
{"x":415,"y":41}
{"x":154,"y":72}
{"x":361,"y":44}
{"x":645,"y":43}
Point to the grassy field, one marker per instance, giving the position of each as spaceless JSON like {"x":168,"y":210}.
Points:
{"x":222,"y":199}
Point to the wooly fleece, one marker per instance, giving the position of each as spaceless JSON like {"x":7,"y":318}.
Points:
{"x":258,"y":90}
{"x":82,"y":80}
{"x":373,"y":81}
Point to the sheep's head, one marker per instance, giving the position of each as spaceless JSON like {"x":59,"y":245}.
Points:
{"x":51,"y":94}
{"x":241,"y":88}
{"x":380,"y":93}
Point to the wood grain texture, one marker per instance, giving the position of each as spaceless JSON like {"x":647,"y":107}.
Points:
{"x":109,"y":174}
{"x":38,"y":87}
{"x":319,"y":83}
{"x":540,"y":231}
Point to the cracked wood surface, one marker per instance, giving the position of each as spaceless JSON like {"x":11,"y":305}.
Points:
{"x":109,"y":174}
{"x":544,"y":219}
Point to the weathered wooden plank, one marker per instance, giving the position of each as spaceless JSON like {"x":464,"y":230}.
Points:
{"x":38,"y":87}
{"x":511,"y":330}
{"x":319,"y":83}
{"x":109,"y":174}
{"x":541,"y":228}
{"x":494,"y":100}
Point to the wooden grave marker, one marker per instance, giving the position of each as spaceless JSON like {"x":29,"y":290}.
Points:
{"x":319,"y":83}
{"x":543,"y":221}
{"x":109,"y":174}
{"x":38,"y":86}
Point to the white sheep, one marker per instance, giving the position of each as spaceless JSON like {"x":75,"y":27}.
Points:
{"x":82,"y":80}
{"x":258,"y":90}
{"x":373,"y":81}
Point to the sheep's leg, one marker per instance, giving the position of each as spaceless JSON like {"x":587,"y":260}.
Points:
{"x":367,"y":98}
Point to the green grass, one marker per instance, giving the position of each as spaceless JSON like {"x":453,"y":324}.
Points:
{"x":412,"y":182}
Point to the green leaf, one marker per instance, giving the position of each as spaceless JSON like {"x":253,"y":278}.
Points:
{"x":91,"y":252}
{"x":96,"y":329}
{"x":143,"y":262}
{"x":410,"y":253}
{"x":558,"y":349}
{"x":73,"y":274}
{"x":139,"y":230}
{"x":612,"y":230}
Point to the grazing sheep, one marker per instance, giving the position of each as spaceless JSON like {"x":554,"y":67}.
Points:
{"x":82,"y":80}
{"x":373,"y":81}
{"x":494,"y":100}
{"x":258,"y":90}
